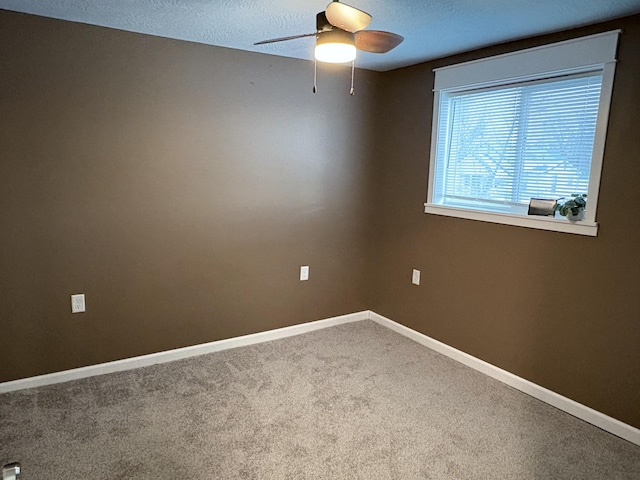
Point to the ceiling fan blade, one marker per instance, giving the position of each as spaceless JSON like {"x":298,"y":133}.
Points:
{"x":376,"y":41}
{"x":284,"y":39}
{"x":347,"y":17}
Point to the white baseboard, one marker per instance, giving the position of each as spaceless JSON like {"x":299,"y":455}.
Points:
{"x":572,"y":407}
{"x":565,"y":404}
{"x":177,"y":354}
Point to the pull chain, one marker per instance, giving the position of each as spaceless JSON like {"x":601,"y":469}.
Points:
{"x":315,"y":74}
{"x":353,"y":72}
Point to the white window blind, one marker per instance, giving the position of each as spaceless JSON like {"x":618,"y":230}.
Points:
{"x":525,"y":124}
{"x":499,"y":147}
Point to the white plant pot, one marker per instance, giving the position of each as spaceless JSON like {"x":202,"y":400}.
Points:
{"x":575,"y":218}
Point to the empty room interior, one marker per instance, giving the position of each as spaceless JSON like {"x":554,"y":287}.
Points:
{"x":176,"y":185}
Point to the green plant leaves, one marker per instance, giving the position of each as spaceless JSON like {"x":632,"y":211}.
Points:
{"x":572,"y":205}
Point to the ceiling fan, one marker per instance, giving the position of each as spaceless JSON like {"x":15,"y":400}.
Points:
{"x":340,"y":31}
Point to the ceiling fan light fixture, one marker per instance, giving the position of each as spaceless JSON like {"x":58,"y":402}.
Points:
{"x":335,"y":46}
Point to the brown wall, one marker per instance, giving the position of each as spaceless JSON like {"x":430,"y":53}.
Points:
{"x":560,"y":310}
{"x":178,"y":186}
{"x":181,"y":186}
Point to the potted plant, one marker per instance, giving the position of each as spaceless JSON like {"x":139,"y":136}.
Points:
{"x":572,"y":207}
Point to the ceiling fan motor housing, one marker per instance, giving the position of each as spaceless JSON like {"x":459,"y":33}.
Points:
{"x":336,"y":35}
{"x":322,"y":24}
{"x":330,"y":33}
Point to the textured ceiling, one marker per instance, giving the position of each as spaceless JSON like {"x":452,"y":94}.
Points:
{"x":432,"y":28}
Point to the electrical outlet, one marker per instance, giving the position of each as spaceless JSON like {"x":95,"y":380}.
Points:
{"x":77,"y":303}
{"x":415,"y":278}
{"x":304,"y":273}
{"x":11,"y":471}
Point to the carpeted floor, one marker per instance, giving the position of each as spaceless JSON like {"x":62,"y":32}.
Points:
{"x":355,"y":401}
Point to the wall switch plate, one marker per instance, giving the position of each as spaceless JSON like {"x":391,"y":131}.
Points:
{"x":77,"y":303}
{"x":304,"y":272}
{"x":415,"y":278}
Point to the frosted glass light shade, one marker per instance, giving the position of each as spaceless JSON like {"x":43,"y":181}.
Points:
{"x":335,"y":46}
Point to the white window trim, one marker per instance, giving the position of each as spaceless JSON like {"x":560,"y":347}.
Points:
{"x":572,"y":56}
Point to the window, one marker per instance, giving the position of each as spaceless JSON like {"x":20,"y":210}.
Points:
{"x":519,"y":126}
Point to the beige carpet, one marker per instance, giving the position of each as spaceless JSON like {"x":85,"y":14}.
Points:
{"x":356,"y":401}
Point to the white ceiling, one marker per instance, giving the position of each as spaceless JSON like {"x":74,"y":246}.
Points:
{"x":432,"y":28}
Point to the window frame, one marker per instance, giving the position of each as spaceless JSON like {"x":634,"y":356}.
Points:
{"x":585,"y":54}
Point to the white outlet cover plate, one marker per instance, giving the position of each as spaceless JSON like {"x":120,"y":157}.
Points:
{"x":415,"y":278}
{"x":304,"y":272}
{"x":77,"y":303}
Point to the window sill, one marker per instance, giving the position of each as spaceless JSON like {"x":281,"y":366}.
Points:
{"x":581,"y":227}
